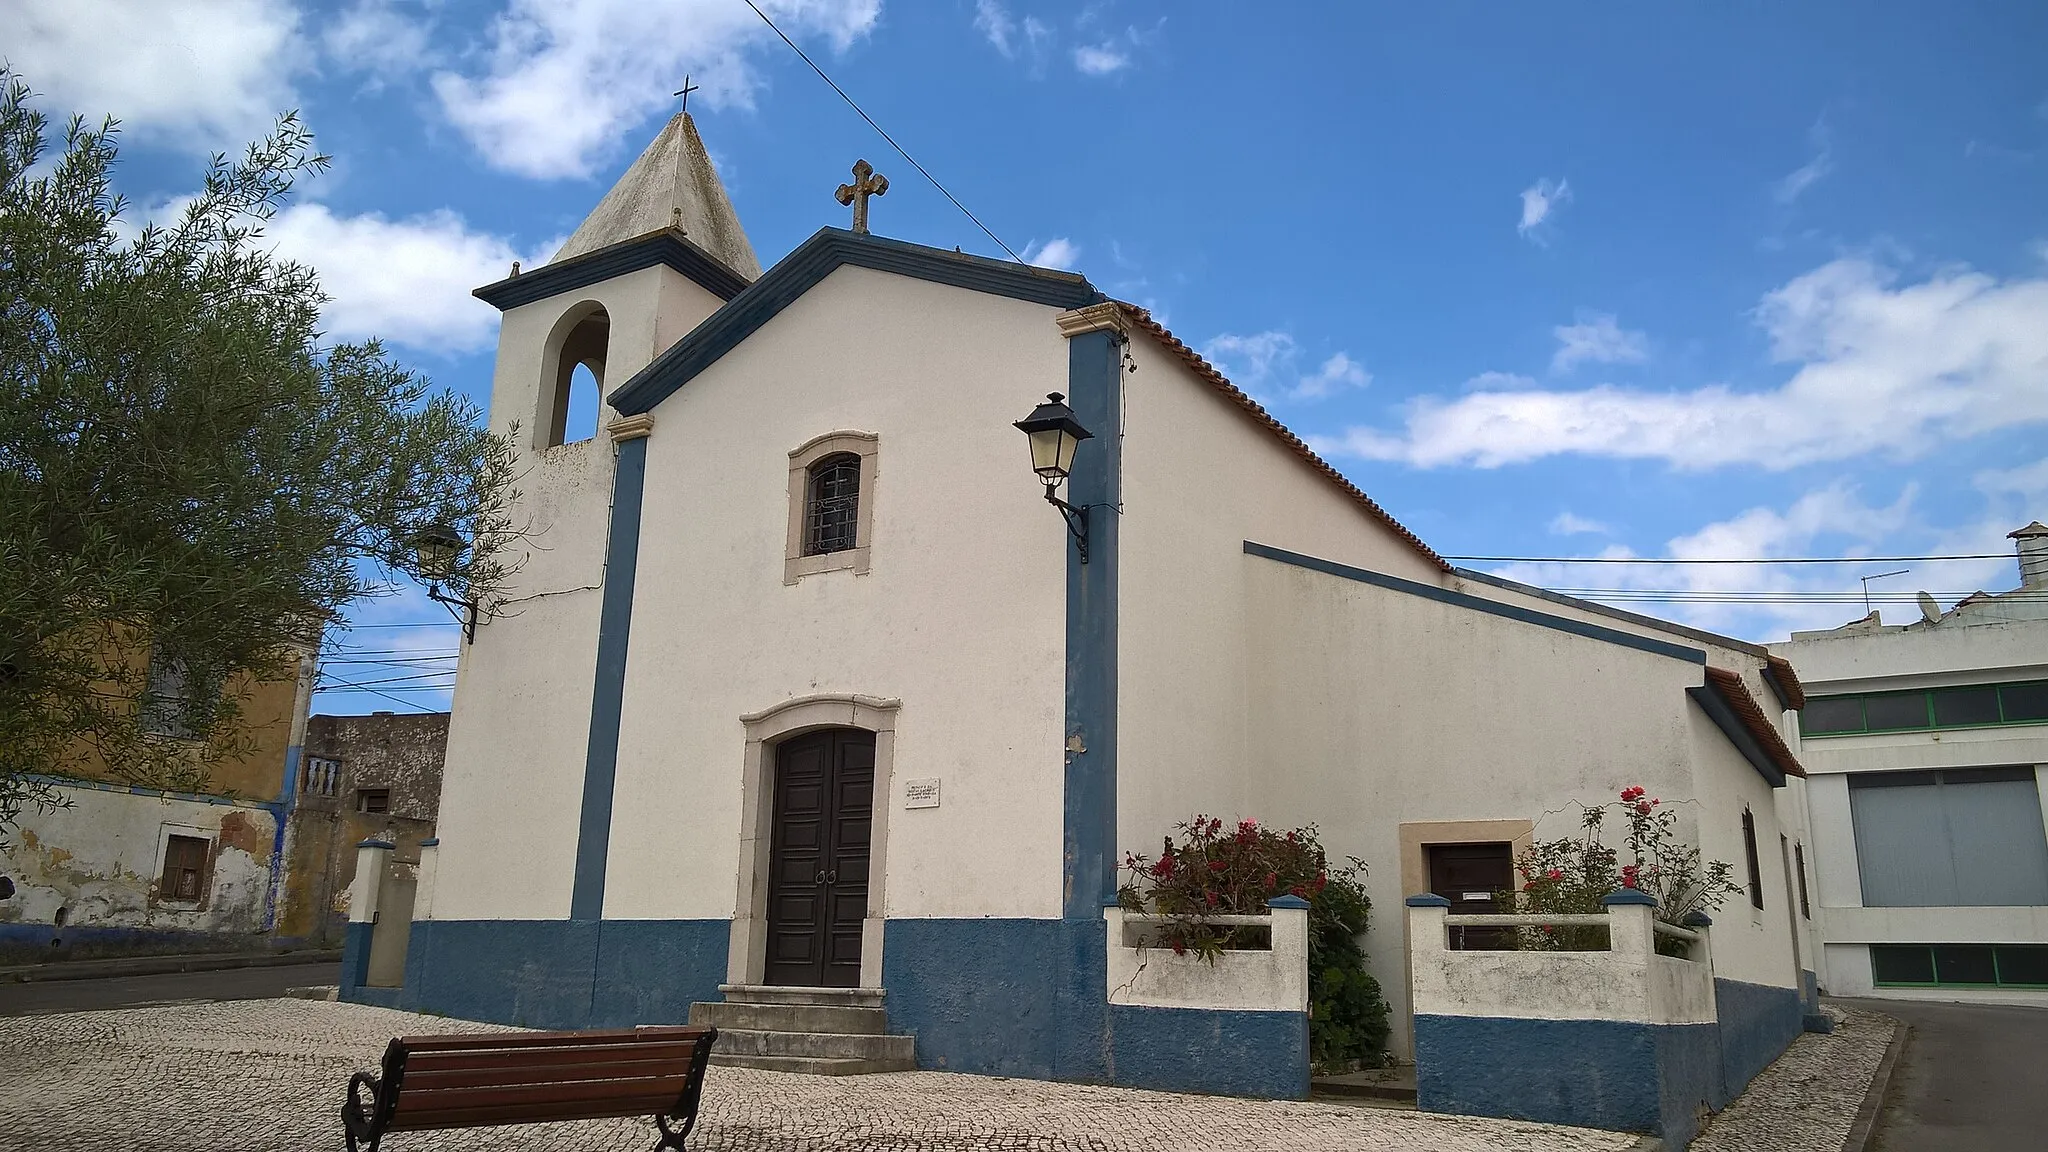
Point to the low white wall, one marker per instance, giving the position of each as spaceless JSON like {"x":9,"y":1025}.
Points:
{"x":1627,"y":982}
{"x":1247,"y":980}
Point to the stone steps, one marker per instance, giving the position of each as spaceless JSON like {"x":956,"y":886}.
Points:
{"x":820,"y":1031}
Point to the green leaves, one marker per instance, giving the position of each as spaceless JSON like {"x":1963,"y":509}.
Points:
{"x":186,"y":469}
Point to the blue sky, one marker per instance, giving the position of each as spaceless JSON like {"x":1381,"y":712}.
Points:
{"x":1650,"y":280}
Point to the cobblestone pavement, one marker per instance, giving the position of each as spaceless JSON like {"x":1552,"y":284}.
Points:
{"x":1806,"y":1101}
{"x":269,"y":1074}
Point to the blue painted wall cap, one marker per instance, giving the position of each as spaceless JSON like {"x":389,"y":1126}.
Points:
{"x":1629,"y":896}
{"x":1428,"y":900}
{"x":1112,"y":902}
{"x":1287,"y":901}
{"x":431,"y":842}
{"x":373,"y":842}
{"x":1697,"y":920}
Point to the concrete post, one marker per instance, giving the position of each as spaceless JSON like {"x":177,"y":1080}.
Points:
{"x":1630,"y":914}
{"x":1702,"y":952}
{"x":1427,"y":939}
{"x":372,"y":857}
{"x":429,"y":873}
{"x":1290,"y":946}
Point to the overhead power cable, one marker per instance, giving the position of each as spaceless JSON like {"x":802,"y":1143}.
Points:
{"x":349,"y":685}
{"x":884,"y":133}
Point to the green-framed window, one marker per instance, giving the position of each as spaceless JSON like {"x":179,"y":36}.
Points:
{"x":1925,"y":709}
{"x":1959,"y":965}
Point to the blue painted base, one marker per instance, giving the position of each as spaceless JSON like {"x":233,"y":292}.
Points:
{"x":1757,"y":1022}
{"x":554,"y":973}
{"x":1026,"y":998}
{"x":35,"y":943}
{"x":1609,"y":1074}
{"x":1630,"y":1077}
{"x":1002,"y":997}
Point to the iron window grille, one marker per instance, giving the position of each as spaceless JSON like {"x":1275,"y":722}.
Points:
{"x":832,"y":505}
{"x":1756,"y":876}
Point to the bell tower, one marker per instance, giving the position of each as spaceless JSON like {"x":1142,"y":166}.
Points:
{"x":661,"y":251}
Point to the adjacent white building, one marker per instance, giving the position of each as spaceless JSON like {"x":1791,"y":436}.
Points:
{"x":1926,"y":748}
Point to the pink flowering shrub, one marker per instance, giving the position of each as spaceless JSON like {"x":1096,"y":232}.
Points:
{"x":1573,"y":875}
{"x":1217,"y":869}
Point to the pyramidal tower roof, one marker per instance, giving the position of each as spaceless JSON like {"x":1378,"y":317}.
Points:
{"x":671,"y":184}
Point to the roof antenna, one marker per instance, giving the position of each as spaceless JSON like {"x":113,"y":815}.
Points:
{"x":1877,"y":576}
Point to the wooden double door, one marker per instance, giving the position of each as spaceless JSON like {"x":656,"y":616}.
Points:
{"x":818,"y":858}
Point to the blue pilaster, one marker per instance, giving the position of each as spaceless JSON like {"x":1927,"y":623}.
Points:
{"x":615,"y":620}
{"x":1095,"y":392}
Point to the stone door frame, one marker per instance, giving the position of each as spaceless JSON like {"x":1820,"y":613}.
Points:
{"x":747,"y":955}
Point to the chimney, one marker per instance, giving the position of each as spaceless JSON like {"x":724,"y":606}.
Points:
{"x":2033,"y":545}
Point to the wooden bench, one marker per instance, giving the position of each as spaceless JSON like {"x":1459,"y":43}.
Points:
{"x":491,"y":1078}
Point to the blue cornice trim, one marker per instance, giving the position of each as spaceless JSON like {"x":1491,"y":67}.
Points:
{"x":373,"y":842}
{"x":666,"y":247}
{"x":813,"y":260}
{"x":1288,"y":901}
{"x":1612,"y":612}
{"x":1628,"y":896}
{"x":1088,"y":869}
{"x":607,"y":695}
{"x":1428,"y":900}
{"x":1722,"y":713}
{"x":1480,"y":604}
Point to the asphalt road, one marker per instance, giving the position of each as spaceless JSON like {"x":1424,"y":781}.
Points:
{"x":1974,"y":1078}
{"x":36,"y":998}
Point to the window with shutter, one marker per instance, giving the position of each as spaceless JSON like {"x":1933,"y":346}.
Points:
{"x":184,"y":872}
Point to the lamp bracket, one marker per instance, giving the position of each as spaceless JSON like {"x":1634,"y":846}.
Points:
{"x":464,"y":611}
{"x":1076,"y":518}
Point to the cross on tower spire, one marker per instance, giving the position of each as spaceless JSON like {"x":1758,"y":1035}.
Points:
{"x":866,"y":182}
{"x":685,"y":91}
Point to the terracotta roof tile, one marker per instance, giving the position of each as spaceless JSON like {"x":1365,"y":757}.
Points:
{"x":1731,"y":688}
{"x":1779,"y":675}
{"x":1207,"y":372}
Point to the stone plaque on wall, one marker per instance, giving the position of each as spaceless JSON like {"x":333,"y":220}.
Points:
{"x":921,"y":794}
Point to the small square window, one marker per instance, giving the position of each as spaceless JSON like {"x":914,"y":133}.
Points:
{"x":1825,"y":716}
{"x":1902,"y":963}
{"x":1964,"y":964}
{"x":184,"y":874}
{"x":373,"y":799}
{"x":2024,"y":701}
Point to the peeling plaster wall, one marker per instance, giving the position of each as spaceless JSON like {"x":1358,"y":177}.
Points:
{"x":403,"y":753}
{"x":85,"y":876}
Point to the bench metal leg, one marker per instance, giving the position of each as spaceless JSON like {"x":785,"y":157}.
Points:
{"x":671,"y":1139}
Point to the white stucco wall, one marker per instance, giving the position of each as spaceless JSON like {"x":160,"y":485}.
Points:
{"x":1200,"y":477}
{"x":99,"y":861}
{"x":513,"y":786}
{"x":961,"y":618}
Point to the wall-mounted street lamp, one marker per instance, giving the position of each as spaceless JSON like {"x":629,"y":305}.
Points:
{"x":1054,"y":435}
{"x":435,"y":551}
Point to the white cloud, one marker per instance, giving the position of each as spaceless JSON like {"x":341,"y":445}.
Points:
{"x":374,"y":36}
{"x":1058,"y":252}
{"x":994,"y":22}
{"x":210,"y":74}
{"x":1498,"y":382}
{"x":1539,"y":201}
{"x":406,"y":281}
{"x":1263,"y":364}
{"x":1878,"y":368}
{"x":1597,"y":338}
{"x":1833,"y":520}
{"x":1810,"y":173}
{"x":1337,"y":373}
{"x":1571,"y":524}
{"x":1101,"y":59}
{"x":562,"y":82}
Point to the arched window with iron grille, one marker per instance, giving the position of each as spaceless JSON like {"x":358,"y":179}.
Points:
{"x":832,"y":505}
